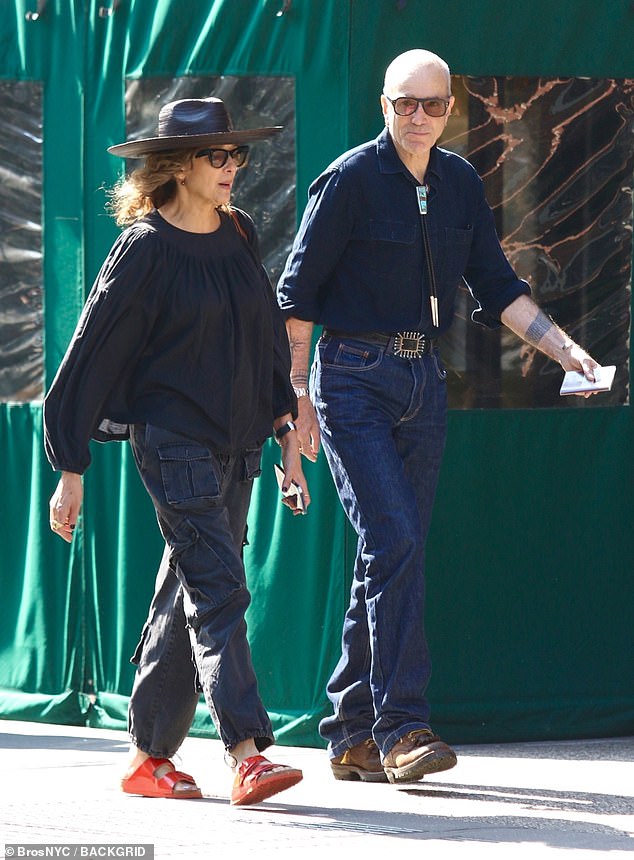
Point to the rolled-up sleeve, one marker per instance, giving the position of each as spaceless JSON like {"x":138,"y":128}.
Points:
{"x":489,"y":275}
{"x":322,"y":237}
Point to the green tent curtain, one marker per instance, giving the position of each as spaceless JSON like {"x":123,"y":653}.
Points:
{"x":530,"y":602}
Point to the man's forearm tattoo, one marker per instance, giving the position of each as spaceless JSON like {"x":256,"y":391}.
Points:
{"x":299,"y":351}
{"x":538,"y":328}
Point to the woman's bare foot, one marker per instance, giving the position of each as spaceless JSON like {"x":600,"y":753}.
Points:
{"x":136,"y":759}
{"x":245,"y":749}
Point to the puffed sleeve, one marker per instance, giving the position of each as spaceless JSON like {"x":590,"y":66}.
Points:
{"x":109,"y":338}
{"x":284,"y":400}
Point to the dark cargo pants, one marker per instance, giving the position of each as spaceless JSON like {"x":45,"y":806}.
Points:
{"x":195,"y":637}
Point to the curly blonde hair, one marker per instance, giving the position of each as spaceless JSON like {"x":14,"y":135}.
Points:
{"x":148,"y":187}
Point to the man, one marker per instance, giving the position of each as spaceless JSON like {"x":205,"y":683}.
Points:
{"x":360,"y":266}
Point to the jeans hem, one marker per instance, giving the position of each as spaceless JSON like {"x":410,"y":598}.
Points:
{"x":339,"y":748}
{"x":147,"y":749}
{"x":394,"y":737}
{"x":261,"y":738}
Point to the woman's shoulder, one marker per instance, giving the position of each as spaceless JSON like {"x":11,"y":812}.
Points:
{"x":136,"y":248}
{"x":140,"y":232}
{"x":242,"y":220}
{"x":146,"y":228}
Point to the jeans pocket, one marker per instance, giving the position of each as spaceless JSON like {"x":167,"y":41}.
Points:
{"x":441,"y":373}
{"x":190,"y":474}
{"x":349,"y":355}
{"x":138,"y":434}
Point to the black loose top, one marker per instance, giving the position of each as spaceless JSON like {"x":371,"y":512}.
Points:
{"x":180,"y":330}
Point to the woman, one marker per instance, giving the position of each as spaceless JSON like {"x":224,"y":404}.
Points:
{"x":182,"y":348}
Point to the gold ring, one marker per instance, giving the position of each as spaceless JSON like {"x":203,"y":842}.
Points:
{"x":55,"y":525}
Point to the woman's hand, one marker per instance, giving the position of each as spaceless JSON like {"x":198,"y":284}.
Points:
{"x":292,"y":466}
{"x":65,"y":505}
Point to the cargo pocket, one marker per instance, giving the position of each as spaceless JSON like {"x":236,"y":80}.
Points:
{"x":251,"y":463}
{"x":190,"y":474}
{"x":136,"y":657}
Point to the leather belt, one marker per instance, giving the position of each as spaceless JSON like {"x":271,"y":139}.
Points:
{"x":405,"y":344}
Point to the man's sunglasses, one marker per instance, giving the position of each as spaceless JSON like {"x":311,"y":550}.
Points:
{"x":219,"y":157}
{"x":406,"y":106}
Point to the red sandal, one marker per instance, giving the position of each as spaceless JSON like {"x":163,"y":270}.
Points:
{"x":145,"y":782}
{"x":257,"y":778}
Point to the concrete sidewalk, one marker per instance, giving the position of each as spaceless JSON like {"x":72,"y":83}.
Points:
{"x":538,"y":800}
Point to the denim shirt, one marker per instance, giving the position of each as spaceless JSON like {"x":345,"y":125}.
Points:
{"x":358,"y":264}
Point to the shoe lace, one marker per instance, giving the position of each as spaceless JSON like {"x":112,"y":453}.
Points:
{"x":417,"y":733}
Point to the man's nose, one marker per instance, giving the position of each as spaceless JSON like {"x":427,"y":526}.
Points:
{"x":419,"y":114}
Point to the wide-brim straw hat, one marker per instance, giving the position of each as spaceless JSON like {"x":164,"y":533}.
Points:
{"x":190,"y":123}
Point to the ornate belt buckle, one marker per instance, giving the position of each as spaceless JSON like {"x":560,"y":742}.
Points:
{"x":409,"y":344}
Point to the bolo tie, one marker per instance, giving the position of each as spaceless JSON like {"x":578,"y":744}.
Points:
{"x":421,"y":196}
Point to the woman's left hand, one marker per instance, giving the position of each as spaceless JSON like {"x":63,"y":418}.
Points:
{"x":65,"y":505}
{"x":292,"y":465}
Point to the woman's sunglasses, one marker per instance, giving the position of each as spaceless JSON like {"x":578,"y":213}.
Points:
{"x":218,"y":157}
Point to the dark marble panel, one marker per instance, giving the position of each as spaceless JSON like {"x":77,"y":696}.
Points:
{"x":21,"y":323}
{"x":556,"y":156}
{"x":266,"y":187}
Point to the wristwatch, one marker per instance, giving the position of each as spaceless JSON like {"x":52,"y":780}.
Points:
{"x":284,"y":429}
{"x":300,"y":392}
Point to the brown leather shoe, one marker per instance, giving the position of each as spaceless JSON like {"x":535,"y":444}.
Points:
{"x":418,"y":753}
{"x":361,"y":761}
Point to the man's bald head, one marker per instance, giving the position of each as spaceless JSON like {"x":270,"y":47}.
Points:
{"x":409,"y":65}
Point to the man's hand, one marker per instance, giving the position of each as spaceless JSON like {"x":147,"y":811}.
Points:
{"x":530,"y":323}
{"x":578,"y":359}
{"x":299,"y":338}
{"x":307,"y":429}
{"x":575,"y":358}
{"x":65,"y":505}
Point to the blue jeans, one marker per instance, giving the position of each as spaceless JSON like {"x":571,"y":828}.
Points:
{"x":195,"y":637}
{"x":383,"y":425}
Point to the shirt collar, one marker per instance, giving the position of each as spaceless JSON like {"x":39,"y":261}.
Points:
{"x":389,"y":161}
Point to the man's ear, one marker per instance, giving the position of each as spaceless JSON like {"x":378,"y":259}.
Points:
{"x":384,"y":106}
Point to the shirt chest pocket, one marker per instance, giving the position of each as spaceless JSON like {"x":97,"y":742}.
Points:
{"x":391,"y":246}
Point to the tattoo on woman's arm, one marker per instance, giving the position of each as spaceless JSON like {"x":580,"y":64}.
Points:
{"x":538,"y":328}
